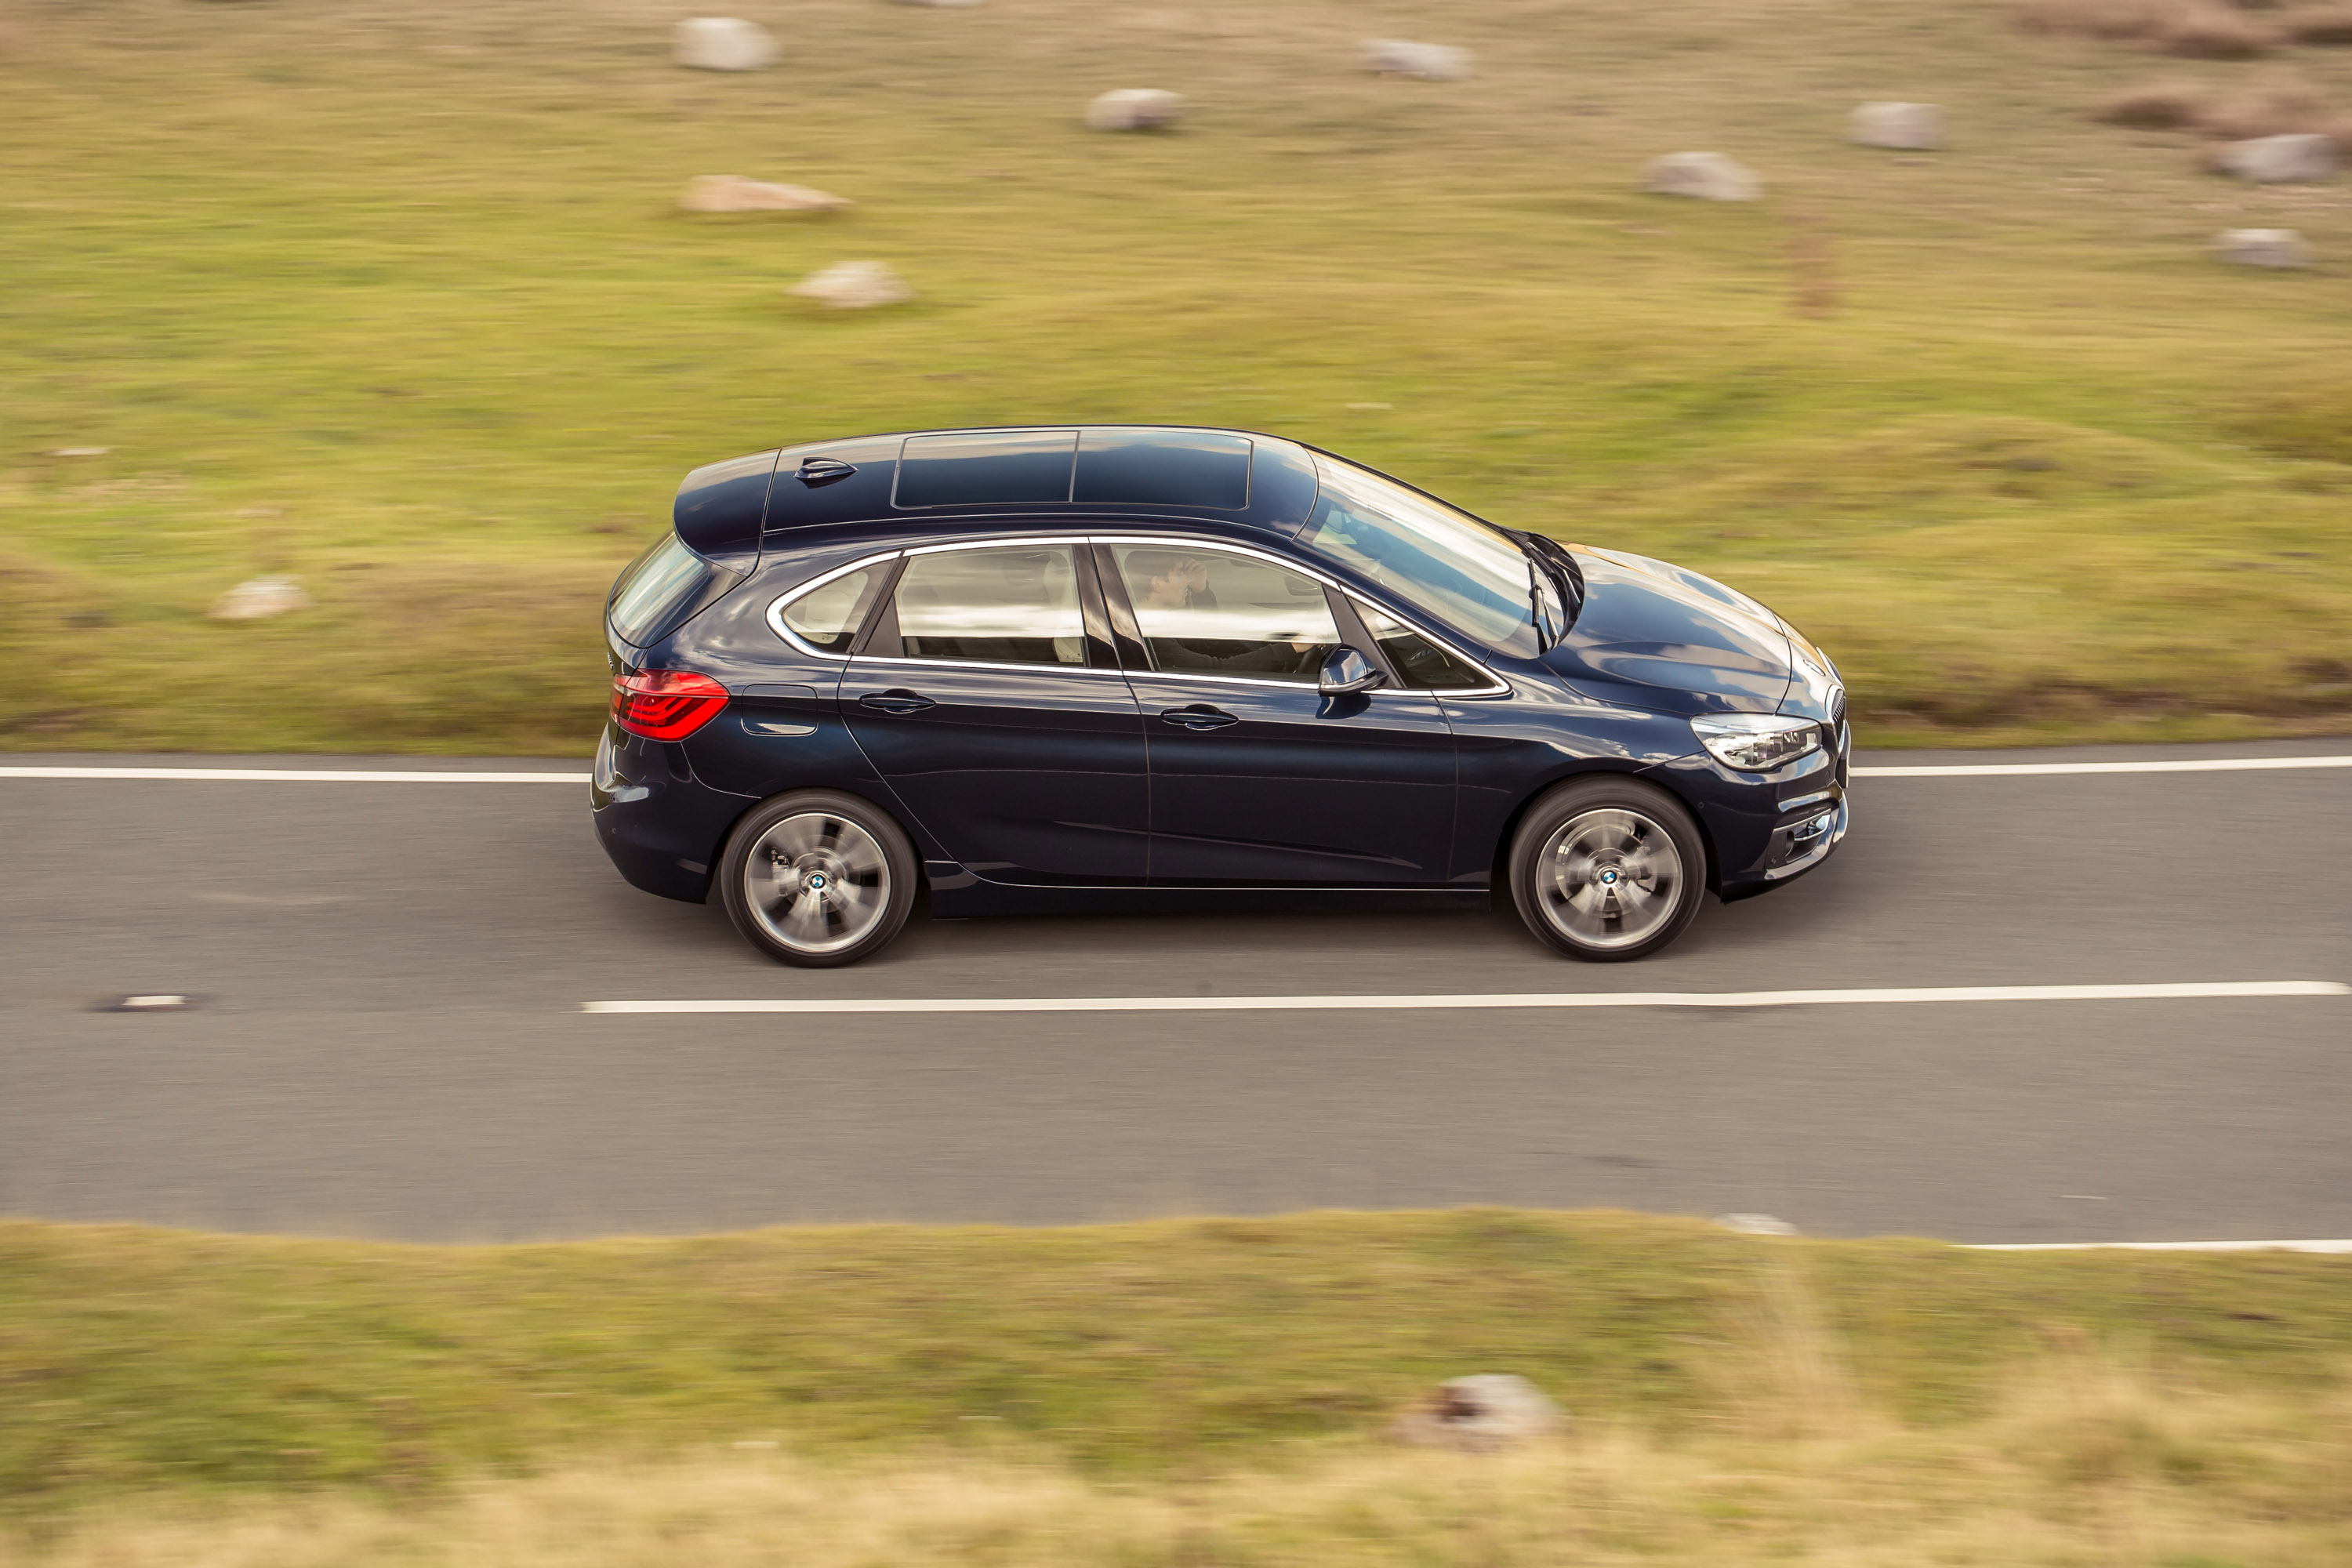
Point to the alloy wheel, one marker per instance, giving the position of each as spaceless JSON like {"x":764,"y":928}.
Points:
{"x":1608,"y":877}
{"x":817,"y":882}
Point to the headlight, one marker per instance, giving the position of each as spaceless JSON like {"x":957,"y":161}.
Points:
{"x":1756,"y":741}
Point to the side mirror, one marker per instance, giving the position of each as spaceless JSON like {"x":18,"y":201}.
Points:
{"x":1346,"y":672}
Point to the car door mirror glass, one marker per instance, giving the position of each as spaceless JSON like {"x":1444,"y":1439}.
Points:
{"x":1346,"y":672}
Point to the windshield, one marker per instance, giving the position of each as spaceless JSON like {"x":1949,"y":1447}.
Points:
{"x":1465,"y":572}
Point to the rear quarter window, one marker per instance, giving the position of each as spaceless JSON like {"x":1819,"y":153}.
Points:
{"x":661,"y":589}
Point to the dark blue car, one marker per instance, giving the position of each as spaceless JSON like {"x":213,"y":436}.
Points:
{"x":1120,"y":667}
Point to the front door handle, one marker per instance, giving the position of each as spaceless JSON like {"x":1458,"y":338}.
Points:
{"x":897,"y":701}
{"x":1198,"y":717}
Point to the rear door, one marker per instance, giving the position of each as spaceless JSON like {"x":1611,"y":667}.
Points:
{"x":987,"y":695}
{"x":1257,"y":779}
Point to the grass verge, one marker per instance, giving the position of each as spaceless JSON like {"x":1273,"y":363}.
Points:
{"x":393,"y":295}
{"x":150,"y":1365}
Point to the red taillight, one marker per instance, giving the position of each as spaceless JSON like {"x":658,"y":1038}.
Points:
{"x":665,"y":704}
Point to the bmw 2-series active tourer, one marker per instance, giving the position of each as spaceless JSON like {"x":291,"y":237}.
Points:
{"x":1123,"y":668}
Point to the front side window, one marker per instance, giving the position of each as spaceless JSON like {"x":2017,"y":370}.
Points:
{"x":1420,"y":661}
{"x":1205,"y":612}
{"x":1013,"y":605}
{"x":826,"y":617}
{"x":1457,"y":568}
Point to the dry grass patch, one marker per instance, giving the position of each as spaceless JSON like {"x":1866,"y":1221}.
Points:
{"x":2324,"y":26}
{"x":2212,"y":33}
{"x":2159,"y":106}
{"x":2087,"y":1460}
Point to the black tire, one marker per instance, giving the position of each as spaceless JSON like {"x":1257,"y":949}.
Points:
{"x":1601,"y":843}
{"x":818,"y":879}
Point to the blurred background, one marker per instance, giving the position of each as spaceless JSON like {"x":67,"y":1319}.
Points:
{"x":397,"y":297}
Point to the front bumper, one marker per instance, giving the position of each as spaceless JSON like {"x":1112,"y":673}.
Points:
{"x":1766,"y":829}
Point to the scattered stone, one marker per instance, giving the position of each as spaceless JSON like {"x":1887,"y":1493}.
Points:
{"x":723,"y":44}
{"x":258,"y":598}
{"x":1480,"y":1415}
{"x":1904,"y":127}
{"x":2276,"y":160}
{"x":1422,"y":62}
{"x":158,"y":1002}
{"x":82,"y":452}
{"x":1706,"y":176}
{"x":732,"y":193}
{"x":1135,"y":109}
{"x":2261,"y":247}
{"x":854,"y":286}
{"x":1757,"y":1224}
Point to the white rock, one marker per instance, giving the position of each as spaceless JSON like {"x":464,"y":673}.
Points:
{"x":80,"y":451}
{"x":1756,"y":1224}
{"x":1708,"y":176}
{"x":1480,"y":1414}
{"x":1135,"y":109}
{"x":2261,"y":247}
{"x":1423,"y":62}
{"x":854,"y":286}
{"x":723,"y":44}
{"x":2275,"y":160}
{"x":732,"y":193}
{"x":1906,"y":127}
{"x":258,"y":598}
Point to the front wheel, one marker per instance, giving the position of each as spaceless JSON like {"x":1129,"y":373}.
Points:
{"x":1608,"y":868}
{"x":817,"y":878}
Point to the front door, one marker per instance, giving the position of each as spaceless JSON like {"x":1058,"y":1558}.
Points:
{"x":998,"y":716}
{"x":1256,"y":778}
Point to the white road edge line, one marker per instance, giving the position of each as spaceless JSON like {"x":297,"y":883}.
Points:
{"x":2160,"y":1246}
{"x":1883,"y":770}
{"x":294,"y":775}
{"x":2003,"y":770}
{"x":2167,"y":992}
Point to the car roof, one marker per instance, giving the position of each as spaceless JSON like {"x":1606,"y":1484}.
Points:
{"x":735,"y":508}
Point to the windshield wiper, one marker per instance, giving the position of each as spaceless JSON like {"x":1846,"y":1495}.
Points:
{"x":1558,"y":565}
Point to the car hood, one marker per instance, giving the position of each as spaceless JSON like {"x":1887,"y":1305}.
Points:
{"x":1654,"y":635}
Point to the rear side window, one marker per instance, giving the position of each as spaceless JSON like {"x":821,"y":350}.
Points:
{"x":656,"y":589}
{"x":1012,"y":605}
{"x":1226,"y":614}
{"x":1422,"y":662}
{"x":1163,"y":467}
{"x":826,"y":617}
{"x":1019,"y":467}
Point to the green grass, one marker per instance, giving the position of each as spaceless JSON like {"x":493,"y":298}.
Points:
{"x":142,"y":1362}
{"x":392,"y":294}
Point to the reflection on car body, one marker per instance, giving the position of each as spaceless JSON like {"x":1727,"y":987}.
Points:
{"x":1122,"y":667}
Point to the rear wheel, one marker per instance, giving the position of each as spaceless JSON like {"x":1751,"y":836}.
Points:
{"x":1608,"y":868}
{"x":817,"y":878}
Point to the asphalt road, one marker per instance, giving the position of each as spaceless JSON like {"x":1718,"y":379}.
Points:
{"x":392,"y":1043}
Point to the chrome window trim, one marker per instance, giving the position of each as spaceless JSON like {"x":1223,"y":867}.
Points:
{"x":983,"y":664}
{"x":1025,"y":541}
{"x":1497,"y":686}
{"x":1277,"y":685}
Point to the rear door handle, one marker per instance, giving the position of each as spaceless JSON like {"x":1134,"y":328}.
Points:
{"x":1199,"y":717}
{"x":897,"y":701}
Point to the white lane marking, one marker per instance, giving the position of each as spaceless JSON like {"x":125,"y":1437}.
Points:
{"x":285,"y":775}
{"x":2162,"y":1245}
{"x":2191,"y":765}
{"x":2167,"y":992}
